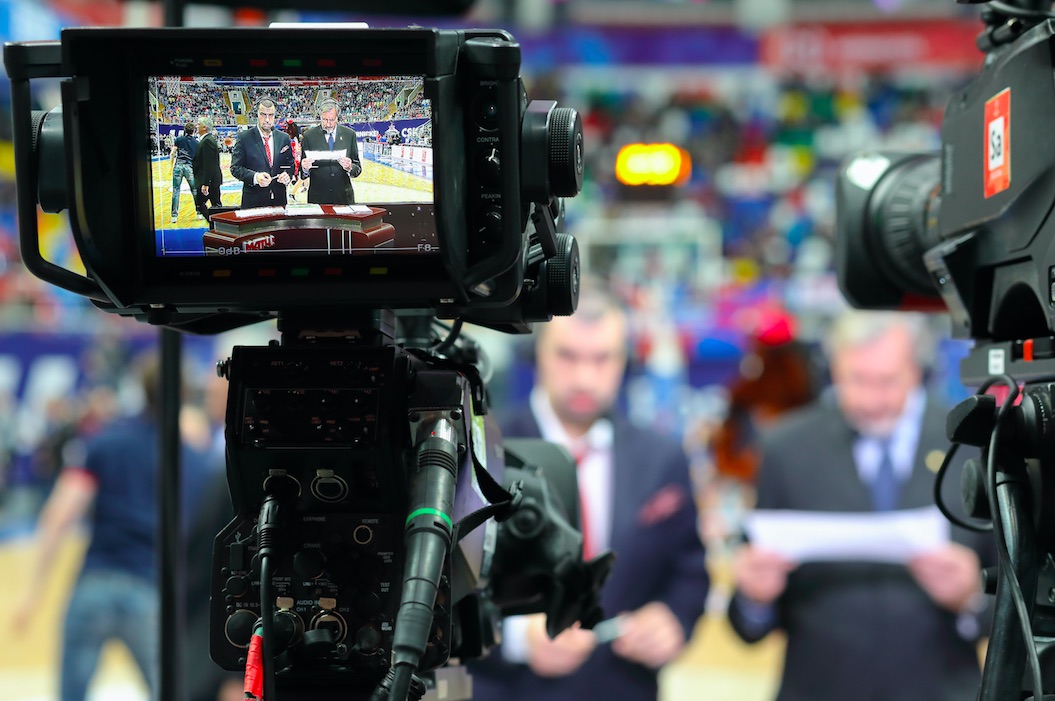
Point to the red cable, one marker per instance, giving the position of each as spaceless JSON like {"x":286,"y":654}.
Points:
{"x":254,"y":668}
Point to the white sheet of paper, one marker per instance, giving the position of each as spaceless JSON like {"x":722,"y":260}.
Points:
{"x":324,"y":155}
{"x":351,"y":209}
{"x":892,"y":536}
{"x":258,"y":211}
{"x":303,"y":210}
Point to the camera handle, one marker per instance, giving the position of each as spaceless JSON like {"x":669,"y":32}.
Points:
{"x":43,"y":60}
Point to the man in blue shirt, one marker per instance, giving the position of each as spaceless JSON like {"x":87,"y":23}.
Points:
{"x":116,"y":593}
{"x":182,"y":157}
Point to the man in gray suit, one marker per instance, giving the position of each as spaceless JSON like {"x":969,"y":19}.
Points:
{"x":866,"y":630}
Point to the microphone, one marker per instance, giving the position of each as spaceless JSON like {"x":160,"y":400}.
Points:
{"x":428,"y":540}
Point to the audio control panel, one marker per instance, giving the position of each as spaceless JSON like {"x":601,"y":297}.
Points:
{"x":328,"y":429}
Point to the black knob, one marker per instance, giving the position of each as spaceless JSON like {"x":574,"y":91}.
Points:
{"x":320,"y":643}
{"x":485,"y":108}
{"x":367,"y":639}
{"x":490,"y":165}
{"x":566,"y":159}
{"x":236,"y":586}
{"x":490,"y":228}
{"x":239,"y":627}
{"x":527,"y":522}
{"x":562,"y":277}
{"x":309,"y":564}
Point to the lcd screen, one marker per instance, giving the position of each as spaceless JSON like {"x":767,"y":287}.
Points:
{"x":291,"y":166}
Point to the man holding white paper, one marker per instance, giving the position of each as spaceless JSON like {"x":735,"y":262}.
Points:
{"x":897,"y":618}
{"x":331,"y":158}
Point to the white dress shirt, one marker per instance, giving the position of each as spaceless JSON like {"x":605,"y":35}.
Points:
{"x":596,"y":491}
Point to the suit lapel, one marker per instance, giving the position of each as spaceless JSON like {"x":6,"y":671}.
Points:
{"x":260,"y":146}
{"x":919,"y":490}
{"x":842,"y":482}
{"x":624,"y":492}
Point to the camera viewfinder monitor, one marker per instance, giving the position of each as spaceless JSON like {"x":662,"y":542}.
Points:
{"x":308,"y":166}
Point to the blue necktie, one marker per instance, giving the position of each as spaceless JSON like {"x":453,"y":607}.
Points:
{"x":885,"y":487}
{"x":329,"y":139}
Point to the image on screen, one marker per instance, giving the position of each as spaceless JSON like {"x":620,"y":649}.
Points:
{"x":291,"y":166}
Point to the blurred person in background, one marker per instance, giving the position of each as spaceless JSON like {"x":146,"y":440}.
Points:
{"x":636,"y":500}
{"x":291,"y":128}
{"x":182,"y":156}
{"x":205,"y":680}
{"x":774,"y":376}
{"x":116,"y":594}
{"x":866,"y":629}
{"x":208,"y":177}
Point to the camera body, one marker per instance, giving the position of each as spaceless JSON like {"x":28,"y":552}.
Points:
{"x":340,"y":427}
{"x":376,"y":528}
{"x":475,"y":237}
{"x":968,"y":230}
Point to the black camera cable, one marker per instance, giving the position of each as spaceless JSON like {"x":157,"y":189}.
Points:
{"x":939,"y":497}
{"x":272,"y":517}
{"x":1004,"y":557}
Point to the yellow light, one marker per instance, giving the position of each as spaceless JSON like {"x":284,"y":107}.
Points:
{"x":652,"y":164}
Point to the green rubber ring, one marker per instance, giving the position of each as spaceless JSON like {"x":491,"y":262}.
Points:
{"x":430,"y":512}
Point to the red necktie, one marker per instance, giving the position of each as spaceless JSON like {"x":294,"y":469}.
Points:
{"x":267,"y":150}
{"x":581,"y":455}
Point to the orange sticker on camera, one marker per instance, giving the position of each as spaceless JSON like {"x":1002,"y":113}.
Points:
{"x":998,"y":143}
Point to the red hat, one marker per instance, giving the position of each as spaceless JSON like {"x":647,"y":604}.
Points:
{"x":769,"y":324}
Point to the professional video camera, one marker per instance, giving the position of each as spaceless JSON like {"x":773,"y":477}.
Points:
{"x":970,"y":230}
{"x":363,"y":464}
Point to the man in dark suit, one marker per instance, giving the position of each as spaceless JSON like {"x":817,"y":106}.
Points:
{"x":207,"y":174}
{"x":263,"y":160}
{"x":330,"y":180}
{"x":863,"y":629}
{"x":636,"y":500}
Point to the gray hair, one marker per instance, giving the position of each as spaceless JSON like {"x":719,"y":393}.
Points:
{"x":328,"y":104}
{"x":266,"y":102}
{"x":856,"y":328}
{"x":206,"y":121}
